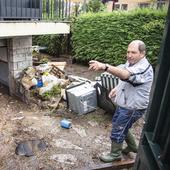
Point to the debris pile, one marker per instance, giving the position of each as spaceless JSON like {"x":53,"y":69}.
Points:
{"x":45,"y":82}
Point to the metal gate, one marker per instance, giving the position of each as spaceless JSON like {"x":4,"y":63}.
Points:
{"x":154,"y":149}
{"x":20,"y":9}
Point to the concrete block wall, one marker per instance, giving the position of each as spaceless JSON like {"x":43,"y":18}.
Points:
{"x":19,"y":58}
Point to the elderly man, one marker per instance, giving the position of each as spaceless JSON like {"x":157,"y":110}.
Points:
{"x":131,"y":96}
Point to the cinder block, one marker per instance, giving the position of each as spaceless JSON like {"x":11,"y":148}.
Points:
{"x":17,"y":58}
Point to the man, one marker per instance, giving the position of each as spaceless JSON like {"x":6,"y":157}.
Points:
{"x":131,"y":96}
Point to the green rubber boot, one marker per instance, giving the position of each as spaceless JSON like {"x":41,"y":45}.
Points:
{"x":131,"y":144}
{"x":114,"y":155}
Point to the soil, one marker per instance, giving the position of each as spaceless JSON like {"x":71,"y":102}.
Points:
{"x":67,"y":149}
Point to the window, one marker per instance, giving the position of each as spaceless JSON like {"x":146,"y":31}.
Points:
{"x":143,"y":5}
{"x":124,"y":6}
{"x":160,"y":4}
{"x":117,"y":7}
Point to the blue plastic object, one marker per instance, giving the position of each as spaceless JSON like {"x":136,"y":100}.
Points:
{"x":65,"y":124}
{"x":40,"y":83}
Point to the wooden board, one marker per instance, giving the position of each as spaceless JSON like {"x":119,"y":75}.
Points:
{"x":123,"y":164}
{"x":115,"y":165}
{"x":60,"y":65}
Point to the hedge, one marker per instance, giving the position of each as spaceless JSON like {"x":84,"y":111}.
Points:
{"x":56,"y":44}
{"x":105,"y":36}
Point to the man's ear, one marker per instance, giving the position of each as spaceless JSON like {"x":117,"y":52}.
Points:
{"x":143,"y":53}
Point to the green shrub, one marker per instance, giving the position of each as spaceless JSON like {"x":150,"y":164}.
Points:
{"x":95,"y":6}
{"x":105,"y":36}
{"x":56,"y":44}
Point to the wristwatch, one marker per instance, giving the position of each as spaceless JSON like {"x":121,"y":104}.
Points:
{"x":106,"y":67}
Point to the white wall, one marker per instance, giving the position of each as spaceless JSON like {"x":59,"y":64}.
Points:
{"x":11,"y":29}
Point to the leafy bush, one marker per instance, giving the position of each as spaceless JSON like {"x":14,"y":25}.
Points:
{"x":56,"y":44}
{"x":95,"y":6}
{"x":105,"y":36}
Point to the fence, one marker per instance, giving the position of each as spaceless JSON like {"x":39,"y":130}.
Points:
{"x":56,"y":9}
{"x":35,"y":9}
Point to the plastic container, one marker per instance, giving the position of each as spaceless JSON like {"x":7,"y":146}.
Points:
{"x":65,"y":124}
{"x":39,"y":83}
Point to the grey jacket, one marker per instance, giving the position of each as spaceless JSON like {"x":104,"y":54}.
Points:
{"x":134,"y":92}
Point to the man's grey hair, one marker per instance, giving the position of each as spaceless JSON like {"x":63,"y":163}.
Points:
{"x":141,"y":45}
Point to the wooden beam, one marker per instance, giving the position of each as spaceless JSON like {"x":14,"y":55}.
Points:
{"x":113,"y":166}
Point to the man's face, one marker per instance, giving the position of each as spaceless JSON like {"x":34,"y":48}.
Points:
{"x":133,"y":53}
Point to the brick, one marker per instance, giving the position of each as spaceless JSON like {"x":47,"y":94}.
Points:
{"x":28,"y":58}
{"x":17,"y":58}
{"x":24,"y":64}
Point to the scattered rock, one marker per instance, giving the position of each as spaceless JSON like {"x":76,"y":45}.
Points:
{"x":80,"y":130}
{"x":93,"y":124}
{"x":18,"y":118}
{"x":61,"y":143}
{"x":30,"y":147}
{"x":64,"y":158}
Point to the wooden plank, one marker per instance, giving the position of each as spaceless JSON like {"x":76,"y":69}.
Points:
{"x":60,"y":65}
{"x":115,"y":165}
{"x":128,"y":163}
{"x":57,"y":72}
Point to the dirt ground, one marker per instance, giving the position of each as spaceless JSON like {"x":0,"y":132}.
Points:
{"x":67,"y":149}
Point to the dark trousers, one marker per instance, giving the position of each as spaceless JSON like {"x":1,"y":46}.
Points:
{"x":123,"y":119}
